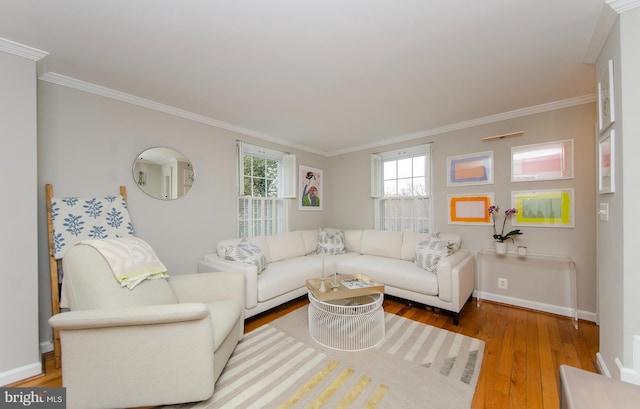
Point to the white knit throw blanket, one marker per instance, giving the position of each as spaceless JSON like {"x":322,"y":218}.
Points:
{"x":132,"y":260}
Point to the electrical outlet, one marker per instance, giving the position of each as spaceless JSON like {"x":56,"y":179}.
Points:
{"x":502,"y":283}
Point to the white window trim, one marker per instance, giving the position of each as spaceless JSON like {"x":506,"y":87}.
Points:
{"x":287,"y":168}
{"x":286,"y":188}
{"x":377,"y":192}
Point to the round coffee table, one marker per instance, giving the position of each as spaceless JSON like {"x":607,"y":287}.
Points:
{"x":347,"y":324}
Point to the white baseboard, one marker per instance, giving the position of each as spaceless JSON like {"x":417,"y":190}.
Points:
{"x":553,"y":309}
{"x":46,"y":346}
{"x":631,"y":375}
{"x":602,"y":366}
{"x":18,"y":374}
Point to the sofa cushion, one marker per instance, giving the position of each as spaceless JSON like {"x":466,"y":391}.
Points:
{"x":410,"y":242}
{"x":330,"y":243}
{"x":281,"y":277}
{"x":382,"y":243}
{"x":430,"y":251}
{"x":286,"y":245}
{"x":353,"y":241}
{"x":246,"y":252}
{"x":392,"y":272}
{"x":310,"y":239}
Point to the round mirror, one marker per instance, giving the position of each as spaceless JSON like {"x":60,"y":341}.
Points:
{"x":163,"y":173}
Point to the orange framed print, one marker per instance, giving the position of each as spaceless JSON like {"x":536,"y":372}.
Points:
{"x":543,"y":208}
{"x":470,"y":208}
{"x":471,"y":169}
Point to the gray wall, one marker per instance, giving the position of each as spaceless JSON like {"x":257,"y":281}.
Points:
{"x":618,"y":256}
{"x":350,"y":204}
{"x":87,"y":145}
{"x":20,"y":356}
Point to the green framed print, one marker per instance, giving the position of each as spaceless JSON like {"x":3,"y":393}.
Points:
{"x":544,"y":208}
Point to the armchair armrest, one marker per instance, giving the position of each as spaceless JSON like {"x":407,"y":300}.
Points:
{"x":214,"y":263}
{"x":129,"y":316}
{"x":116,"y":348}
{"x":208,"y":287}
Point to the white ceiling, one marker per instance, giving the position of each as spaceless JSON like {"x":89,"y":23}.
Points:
{"x":328,"y":76}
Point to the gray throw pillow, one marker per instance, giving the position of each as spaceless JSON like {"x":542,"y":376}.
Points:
{"x":430,"y":251}
{"x":246,"y":252}
{"x":330,"y":243}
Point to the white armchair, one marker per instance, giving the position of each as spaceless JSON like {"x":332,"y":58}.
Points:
{"x":166,"y":341}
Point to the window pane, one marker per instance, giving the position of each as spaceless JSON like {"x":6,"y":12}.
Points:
{"x":418,"y":166}
{"x":271,"y":169}
{"x":404,"y":187}
{"x":405,"y":168}
{"x":258,"y":167}
{"x":258,"y":188}
{"x":390,"y":188}
{"x":389,"y":170}
{"x":418,"y":187}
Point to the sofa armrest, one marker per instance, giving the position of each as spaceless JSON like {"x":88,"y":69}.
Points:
{"x":456,"y":275}
{"x":208,"y":287}
{"x":214,"y":263}
{"x":129,"y":316}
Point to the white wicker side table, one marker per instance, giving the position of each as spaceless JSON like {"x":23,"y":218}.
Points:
{"x":347,"y":324}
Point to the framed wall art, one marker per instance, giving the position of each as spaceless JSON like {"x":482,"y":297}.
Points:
{"x":471,"y":169}
{"x":606,"y":169}
{"x":470,"y":208}
{"x":606,"y":111}
{"x":543,"y":208}
{"x":310,"y":188}
{"x":542,"y":161}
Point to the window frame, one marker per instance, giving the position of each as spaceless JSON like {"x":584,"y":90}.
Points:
{"x":408,"y":208}
{"x":263,"y":215}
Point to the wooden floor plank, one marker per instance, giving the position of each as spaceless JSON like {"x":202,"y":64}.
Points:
{"x":522,"y":355}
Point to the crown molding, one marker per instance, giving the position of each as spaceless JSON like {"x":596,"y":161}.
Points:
{"x":21,"y":50}
{"x":620,"y":6}
{"x":537,"y":109}
{"x":167,"y":109}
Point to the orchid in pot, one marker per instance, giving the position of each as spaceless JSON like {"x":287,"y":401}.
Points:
{"x":502,"y":237}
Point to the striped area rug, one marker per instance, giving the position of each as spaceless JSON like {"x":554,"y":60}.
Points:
{"x":417,"y":366}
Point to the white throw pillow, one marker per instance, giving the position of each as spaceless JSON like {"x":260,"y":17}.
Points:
{"x":245,"y":252}
{"x":430,"y":251}
{"x":330,"y":243}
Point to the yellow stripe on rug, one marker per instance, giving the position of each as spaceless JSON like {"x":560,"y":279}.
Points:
{"x":307,"y":387}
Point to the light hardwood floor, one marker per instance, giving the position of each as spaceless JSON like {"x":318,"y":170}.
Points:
{"x":523,"y":352}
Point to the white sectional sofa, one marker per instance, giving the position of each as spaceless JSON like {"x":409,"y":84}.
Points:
{"x":387,"y":257}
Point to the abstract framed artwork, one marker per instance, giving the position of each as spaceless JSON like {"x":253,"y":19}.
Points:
{"x":542,"y":161}
{"x":606,"y":111}
{"x":470,"y":208}
{"x":471,"y":169}
{"x":543,"y":208}
{"x":310,"y":188}
{"x":606,"y":164}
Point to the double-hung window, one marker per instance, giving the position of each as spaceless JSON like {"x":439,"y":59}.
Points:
{"x":401,"y":187}
{"x":264,"y":183}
